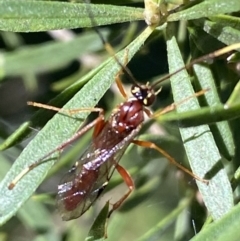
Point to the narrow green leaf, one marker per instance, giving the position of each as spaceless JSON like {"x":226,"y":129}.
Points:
{"x":225,"y":34}
{"x":33,"y":16}
{"x":199,"y":144}
{"x":32,"y":208}
{"x":205,"y":115}
{"x":98,"y":229}
{"x":236,"y":179}
{"x":35,"y":58}
{"x":57,"y":130}
{"x":227,"y":20}
{"x":199,"y":38}
{"x":206,"y":9}
{"x":222,"y":131}
{"x":227,"y":228}
{"x":11,"y":140}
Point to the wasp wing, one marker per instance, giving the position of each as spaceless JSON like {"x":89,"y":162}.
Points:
{"x":84,"y":183}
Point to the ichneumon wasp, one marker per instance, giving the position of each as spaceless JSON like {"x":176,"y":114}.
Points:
{"x":102,"y":184}
{"x":88,"y":177}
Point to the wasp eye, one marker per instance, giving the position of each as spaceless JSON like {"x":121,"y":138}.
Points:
{"x":144,"y":93}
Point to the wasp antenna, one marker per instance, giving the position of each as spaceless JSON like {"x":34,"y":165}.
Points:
{"x":107,"y":46}
{"x":209,"y":56}
{"x":158,"y":91}
{"x":169,"y":75}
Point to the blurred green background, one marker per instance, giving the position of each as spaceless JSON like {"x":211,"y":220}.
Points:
{"x":40,"y":65}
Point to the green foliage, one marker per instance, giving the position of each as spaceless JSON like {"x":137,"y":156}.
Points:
{"x":161,"y":199}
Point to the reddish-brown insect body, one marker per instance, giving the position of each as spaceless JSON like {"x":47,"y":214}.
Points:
{"x":83,"y":184}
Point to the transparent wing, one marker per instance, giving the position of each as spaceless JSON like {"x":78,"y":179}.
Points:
{"x":84,"y":183}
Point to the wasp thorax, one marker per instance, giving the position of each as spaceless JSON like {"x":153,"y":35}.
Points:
{"x":144,"y":93}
